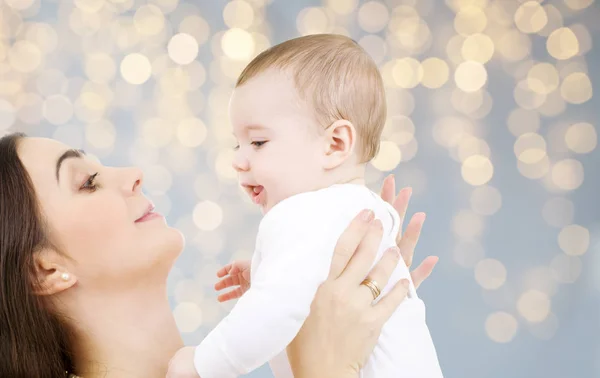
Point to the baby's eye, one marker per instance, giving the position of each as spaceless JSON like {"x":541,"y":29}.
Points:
{"x":259,"y":143}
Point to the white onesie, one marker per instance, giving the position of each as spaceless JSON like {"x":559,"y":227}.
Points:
{"x":294,"y":248}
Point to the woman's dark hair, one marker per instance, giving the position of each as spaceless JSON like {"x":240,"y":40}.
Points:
{"x":34,"y":339}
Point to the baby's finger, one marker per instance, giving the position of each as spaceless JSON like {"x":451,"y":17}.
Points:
{"x":233,"y":294}
{"x":224,"y":270}
{"x":227,"y":282}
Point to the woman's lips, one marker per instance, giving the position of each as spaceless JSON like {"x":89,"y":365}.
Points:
{"x":149,"y":216}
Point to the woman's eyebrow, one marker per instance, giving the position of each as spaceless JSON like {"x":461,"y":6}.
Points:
{"x":67,"y":155}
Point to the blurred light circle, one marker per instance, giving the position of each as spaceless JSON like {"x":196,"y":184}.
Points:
{"x":7,"y":115}
{"x":578,"y":4}
{"x":136,"y":68}
{"x":470,"y":146}
{"x":188,"y":316}
{"x":558,"y":211}
{"x":237,"y":44}
{"x":19,"y":5}
{"x":530,"y":148}
{"x":536,"y":170}
{"x":567,"y":174}
{"x":342,"y":7}
{"x":486,"y":200}
{"x":373,"y":16}
{"x":223,"y":164}
{"x":435,"y":73}
{"x":100,"y":67}
{"x":101,"y":134}
{"x":407,"y":72}
{"x":478,"y":47}
{"x":375,"y":46}
{"x":468,"y":253}
{"x":501,"y":327}
{"x":207,"y":215}
{"x":470,"y":76}
{"x":238,"y":14}
{"x":490,"y":274}
{"x":191,"y":132}
{"x":526,"y":97}
{"x":521,"y":121}
{"x":581,"y":138}
{"x":388,"y":158}
{"x":43,"y":36}
{"x":566,"y":269}
{"x":534,"y":305}
{"x":182,"y":48}
{"x":530,"y":17}
{"x":470,"y":20}
{"x":543,"y":78}
{"x":477,"y":170}
{"x":58,"y":109}
{"x":197,"y":27}
{"x":513,"y":45}
{"x":30,"y":108}
{"x":562,"y":44}
{"x":158,"y":179}
{"x":313,"y":20}
{"x":149,"y":20}
{"x":24,"y":56}
{"x":467,"y":225}
{"x":574,"y":240}
{"x":576,"y":88}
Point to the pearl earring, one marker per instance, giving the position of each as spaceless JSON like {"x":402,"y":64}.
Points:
{"x":65,"y":276}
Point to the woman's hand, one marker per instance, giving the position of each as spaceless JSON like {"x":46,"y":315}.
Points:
{"x":408,"y":241}
{"x":344,"y":324}
{"x":237,"y":274}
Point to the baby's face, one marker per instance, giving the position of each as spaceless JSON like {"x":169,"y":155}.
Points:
{"x":280,"y":149}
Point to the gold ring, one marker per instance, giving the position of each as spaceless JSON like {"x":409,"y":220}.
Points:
{"x":372,"y":285}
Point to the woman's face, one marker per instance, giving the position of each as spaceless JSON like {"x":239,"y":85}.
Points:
{"x":96,"y":217}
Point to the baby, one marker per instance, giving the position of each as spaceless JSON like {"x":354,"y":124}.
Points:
{"x":308,"y":115}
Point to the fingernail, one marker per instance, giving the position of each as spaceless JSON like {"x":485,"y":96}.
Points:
{"x":368,"y":215}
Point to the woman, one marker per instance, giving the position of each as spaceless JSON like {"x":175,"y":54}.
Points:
{"x":83,"y":268}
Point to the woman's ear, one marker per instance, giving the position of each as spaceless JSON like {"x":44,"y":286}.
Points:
{"x":340,"y":139}
{"x":51,"y":274}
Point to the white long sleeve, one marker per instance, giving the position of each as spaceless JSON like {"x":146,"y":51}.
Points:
{"x":294,"y":250}
{"x":292,"y":258}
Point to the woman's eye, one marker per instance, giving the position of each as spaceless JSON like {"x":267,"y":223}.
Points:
{"x":90,"y":183}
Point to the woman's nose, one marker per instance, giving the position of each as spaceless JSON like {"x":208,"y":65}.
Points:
{"x":134,"y":178}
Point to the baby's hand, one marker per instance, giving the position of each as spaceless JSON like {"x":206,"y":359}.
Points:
{"x":182,"y":364}
{"x":237,"y":274}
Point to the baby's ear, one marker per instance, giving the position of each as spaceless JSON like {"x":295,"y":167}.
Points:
{"x":340,"y":139}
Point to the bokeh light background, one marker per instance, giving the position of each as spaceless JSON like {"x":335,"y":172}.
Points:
{"x":493,"y":121}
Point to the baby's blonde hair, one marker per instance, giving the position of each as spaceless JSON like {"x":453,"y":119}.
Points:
{"x":337,"y":78}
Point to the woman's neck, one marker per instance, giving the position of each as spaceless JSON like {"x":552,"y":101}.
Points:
{"x":127,"y":335}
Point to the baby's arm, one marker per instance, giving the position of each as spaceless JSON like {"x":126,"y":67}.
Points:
{"x":296,"y":253}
